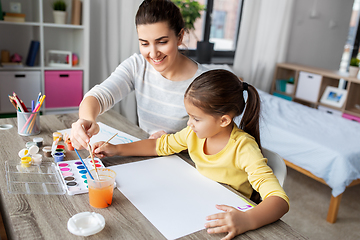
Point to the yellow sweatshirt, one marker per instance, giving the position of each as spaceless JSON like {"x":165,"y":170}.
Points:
{"x":239,"y":164}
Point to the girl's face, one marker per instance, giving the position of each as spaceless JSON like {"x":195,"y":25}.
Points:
{"x":203,"y":124}
{"x":159,"y":45}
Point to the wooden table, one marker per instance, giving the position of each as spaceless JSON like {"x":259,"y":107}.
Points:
{"x":46,"y":216}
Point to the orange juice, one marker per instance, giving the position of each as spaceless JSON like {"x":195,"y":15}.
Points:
{"x":101,"y":197}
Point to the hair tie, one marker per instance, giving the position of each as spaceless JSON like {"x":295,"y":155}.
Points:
{"x":245,"y":86}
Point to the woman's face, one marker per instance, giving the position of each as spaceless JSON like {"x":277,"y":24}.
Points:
{"x":159,"y":45}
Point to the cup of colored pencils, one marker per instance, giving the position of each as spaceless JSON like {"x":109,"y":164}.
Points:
{"x":28,"y":119}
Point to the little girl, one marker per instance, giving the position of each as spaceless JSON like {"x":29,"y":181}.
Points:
{"x":220,"y":149}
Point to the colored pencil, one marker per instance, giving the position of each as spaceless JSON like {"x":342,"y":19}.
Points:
{"x":106,"y":142}
{"x":84,"y":164}
{"x":20,"y":102}
{"x":13,"y":102}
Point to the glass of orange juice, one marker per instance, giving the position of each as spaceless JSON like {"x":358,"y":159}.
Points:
{"x":101,"y":190}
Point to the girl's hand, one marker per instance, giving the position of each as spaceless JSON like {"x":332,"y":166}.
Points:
{"x":108,"y":150}
{"x":157,"y":134}
{"x":81,"y":132}
{"x":232,"y":221}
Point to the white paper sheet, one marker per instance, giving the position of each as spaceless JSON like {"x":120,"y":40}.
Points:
{"x":172,"y":194}
{"x":106,"y":133}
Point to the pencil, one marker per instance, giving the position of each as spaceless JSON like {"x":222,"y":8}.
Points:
{"x":105,"y":142}
{"x":12,"y":102}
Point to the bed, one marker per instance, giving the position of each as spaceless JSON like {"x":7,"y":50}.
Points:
{"x":318,"y":144}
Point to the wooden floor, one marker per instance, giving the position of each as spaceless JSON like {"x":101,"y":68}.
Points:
{"x":334,"y":201}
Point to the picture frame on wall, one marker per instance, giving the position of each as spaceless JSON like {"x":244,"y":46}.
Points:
{"x":334,"y":96}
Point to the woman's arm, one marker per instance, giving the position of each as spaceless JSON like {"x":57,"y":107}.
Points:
{"x":86,"y":125}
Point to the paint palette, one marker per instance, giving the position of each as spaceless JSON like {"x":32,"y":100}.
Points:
{"x":74,"y":174}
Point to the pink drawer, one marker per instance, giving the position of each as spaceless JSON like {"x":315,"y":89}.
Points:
{"x":63,"y":88}
{"x":351,"y":117}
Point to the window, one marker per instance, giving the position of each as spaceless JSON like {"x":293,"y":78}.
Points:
{"x":221,"y":28}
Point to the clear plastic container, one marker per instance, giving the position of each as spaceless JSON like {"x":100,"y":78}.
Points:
{"x":35,"y":179}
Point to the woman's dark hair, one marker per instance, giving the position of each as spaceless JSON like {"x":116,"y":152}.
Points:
{"x":154,"y":11}
{"x":220,"y":92}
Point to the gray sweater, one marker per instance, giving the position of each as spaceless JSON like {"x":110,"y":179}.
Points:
{"x":160,"y":102}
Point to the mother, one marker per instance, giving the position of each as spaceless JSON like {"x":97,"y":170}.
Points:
{"x":159,"y":76}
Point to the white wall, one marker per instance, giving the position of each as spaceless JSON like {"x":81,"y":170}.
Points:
{"x":313,"y":41}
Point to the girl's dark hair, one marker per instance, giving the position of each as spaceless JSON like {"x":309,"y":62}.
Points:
{"x":220,"y":92}
{"x":153,"y":11}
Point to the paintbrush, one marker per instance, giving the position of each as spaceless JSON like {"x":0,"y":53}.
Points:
{"x":106,"y":142}
{"x":84,"y":164}
{"x":92,"y":158}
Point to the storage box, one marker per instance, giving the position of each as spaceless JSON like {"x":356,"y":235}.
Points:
{"x":63,"y":88}
{"x":351,"y":117}
{"x":282,"y":96}
{"x":308,"y":86}
{"x":330,"y":111}
{"x":26,"y":84}
{"x":55,"y":58}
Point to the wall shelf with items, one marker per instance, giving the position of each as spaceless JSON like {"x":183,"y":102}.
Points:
{"x":310,"y":84}
{"x":39,"y":26}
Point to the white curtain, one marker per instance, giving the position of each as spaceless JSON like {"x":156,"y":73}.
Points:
{"x":263,"y":40}
{"x":113,"y":38}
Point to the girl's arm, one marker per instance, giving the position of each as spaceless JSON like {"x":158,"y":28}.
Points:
{"x":145,"y":147}
{"x":235,"y":222}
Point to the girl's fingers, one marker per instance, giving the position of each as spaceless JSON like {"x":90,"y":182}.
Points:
{"x":221,"y":229}
{"x":225,"y":208}
{"x":216,"y":223}
{"x":215,"y":216}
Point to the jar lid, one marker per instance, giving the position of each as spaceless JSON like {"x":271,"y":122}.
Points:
{"x":23,"y":153}
{"x":46,"y":149}
{"x":86,"y":223}
{"x":33,"y":150}
{"x":38,"y":139}
{"x":29,"y":144}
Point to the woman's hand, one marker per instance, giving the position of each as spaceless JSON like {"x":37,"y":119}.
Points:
{"x":102,"y":150}
{"x":232,"y":221}
{"x":81,"y":132}
{"x":157,"y":134}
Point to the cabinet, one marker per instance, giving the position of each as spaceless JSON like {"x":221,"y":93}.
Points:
{"x":322,"y":78}
{"x":39,"y":25}
{"x":63,"y":88}
{"x":24,"y":83}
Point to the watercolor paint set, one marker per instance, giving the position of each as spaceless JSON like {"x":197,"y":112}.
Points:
{"x":49,"y":178}
{"x":73,"y":174}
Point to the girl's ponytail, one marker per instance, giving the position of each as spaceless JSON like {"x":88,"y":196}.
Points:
{"x":250,"y":119}
{"x":219,"y":92}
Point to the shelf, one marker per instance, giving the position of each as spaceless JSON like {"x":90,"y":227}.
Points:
{"x":39,"y":26}
{"x":69,"y":26}
{"x":20,"y":23}
{"x":328,"y":78}
{"x":21,"y":69}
